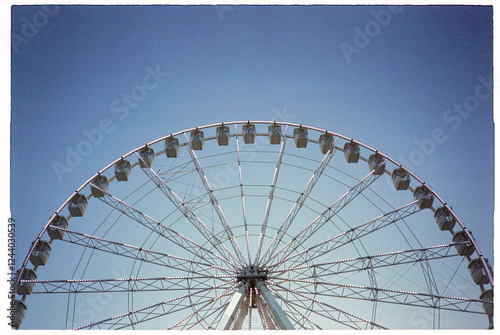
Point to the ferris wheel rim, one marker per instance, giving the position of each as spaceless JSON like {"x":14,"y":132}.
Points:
{"x":319,"y":130}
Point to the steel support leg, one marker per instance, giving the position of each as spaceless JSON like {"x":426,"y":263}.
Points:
{"x":232,"y":309}
{"x":278,"y":315}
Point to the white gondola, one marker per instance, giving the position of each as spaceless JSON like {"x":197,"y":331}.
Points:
{"x":40,"y":254}
{"x":463,"y":249}
{"x":400,"y":179}
{"x":488,"y":296}
{"x":26,"y":288}
{"x":171,"y":147}
{"x":300,"y":137}
{"x":197,"y":140}
{"x":78,"y":205}
{"x":20,"y":312}
{"x":274,"y":134}
{"x":444,"y":219}
{"x":351,"y":152}
{"x":222,"y":134}
{"x":376,"y":164}
{"x":61,"y":222}
{"x":99,"y":187}
{"x":248,"y":132}
{"x":478,"y":272}
{"x":424,"y":197}
{"x":147,"y":157}
{"x":122,"y":170}
{"x":326,"y":143}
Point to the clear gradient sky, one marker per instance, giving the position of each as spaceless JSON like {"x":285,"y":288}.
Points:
{"x":415,"y":84}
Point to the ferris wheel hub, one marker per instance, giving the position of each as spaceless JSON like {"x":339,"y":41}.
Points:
{"x":251,"y":274}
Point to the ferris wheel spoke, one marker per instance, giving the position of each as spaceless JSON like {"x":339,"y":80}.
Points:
{"x":381,"y":295}
{"x":356,"y":233}
{"x":271,"y":195}
{"x":202,"y":228}
{"x":242,"y":196}
{"x":137,"y":253}
{"x":325,"y":217}
{"x":333,"y":313}
{"x":181,"y":283}
{"x":377,"y":261}
{"x":217,"y":317}
{"x":215,"y":203}
{"x":293,"y":306}
{"x":171,"y":235}
{"x":278,"y":237}
{"x":316,"y":309}
{"x":167,"y":307}
{"x":216,"y":310}
{"x":204,"y":305}
{"x":174,"y":173}
{"x":233,"y":314}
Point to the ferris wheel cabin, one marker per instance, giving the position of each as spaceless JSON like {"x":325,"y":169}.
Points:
{"x":222,"y":134}
{"x":325,"y":143}
{"x":78,"y":205}
{"x":300,"y":137}
{"x":60,"y":222}
{"x":466,"y":248}
{"x":274,"y":134}
{"x":122,"y":170}
{"x":351,"y":152}
{"x":20,"y":312}
{"x":478,"y":272}
{"x":99,"y":187}
{"x":376,"y":164}
{"x":248,"y":132}
{"x":197,"y":140}
{"x":27,"y":288}
{"x":171,"y":147}
{"x":400,"y":179}
{"x":488,"y":307}
{"x":424,"y":197}
{"x":147,"y":157}
{"x":444,"y":219}
{"x":41,"y":253}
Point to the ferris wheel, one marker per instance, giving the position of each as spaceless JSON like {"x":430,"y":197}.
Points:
{"x":254,"y":225}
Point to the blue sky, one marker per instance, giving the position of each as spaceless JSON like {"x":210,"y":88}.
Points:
{"x":415,"y":86}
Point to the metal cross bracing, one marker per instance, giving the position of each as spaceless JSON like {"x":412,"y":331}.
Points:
{"x":137,"y":253}
{"x":322,"y":219}
{"x":190,"y":216}
{"x":125,"y":284}
{"x":376,"y":261}
{"x":298,"y":203}
{"x":355,"y":233}
{"x":337,"y":290}
{"x":332,"y":312}
{"x":157,"y":310}
{"x":169,"y":234}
